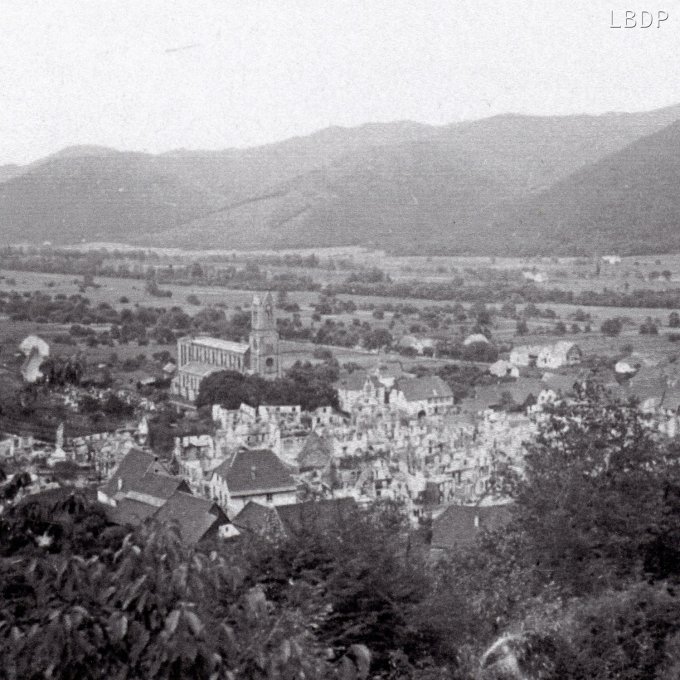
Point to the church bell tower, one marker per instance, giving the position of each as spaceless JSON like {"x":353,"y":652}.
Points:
{"x":264,"y":339}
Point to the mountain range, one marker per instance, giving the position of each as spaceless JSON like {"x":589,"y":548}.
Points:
{"x":509,"y":184}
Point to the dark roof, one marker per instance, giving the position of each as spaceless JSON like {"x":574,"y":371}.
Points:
{"x":316,"y":452}
{"x":323,"y":512}
{"x":196,"y":517}
{"x":158,"y":486}
{"x":131,"y":469}
{"x":129,"y":512}
{"x":259,"y":519}
{"x":520,"y":391}
{"x":561,"y":382}
{"x":51,"y":497}
{"x":455,"y":527}
{"x":427,"y":387}
{"x":255,"y":470}
{"x":355,"y":381}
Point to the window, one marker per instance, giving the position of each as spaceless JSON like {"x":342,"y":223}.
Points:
{"x":269,"y":498}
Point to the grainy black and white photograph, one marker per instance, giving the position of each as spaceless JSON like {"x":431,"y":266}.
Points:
{"x":339,"y":340}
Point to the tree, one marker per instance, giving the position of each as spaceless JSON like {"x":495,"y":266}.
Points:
{"x":521,"y":327}
{"x":152,"y":609}
{"x":674,"y":320}
{"x":611,"y":327}
{"x":594,"y":491}
{"x":648,"y":327}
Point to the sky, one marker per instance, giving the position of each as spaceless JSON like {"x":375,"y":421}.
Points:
{"x":160,"y":75}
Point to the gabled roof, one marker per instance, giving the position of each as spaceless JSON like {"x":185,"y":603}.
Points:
{"x":456,"y":526}
{"x":355,"y":381}
{"x":316,"y":452}
{"x":520,"y":391}
{"x":218,"y":343}
{"x":158,"y":486}
{"x":259,"y":519}
{"x":427,"y":387}
{"x":199,"y":369}
{"x":129,"y":512}
{"x":253,"y":471}
{"x":196,"y":517}
{"x":130,"y":470}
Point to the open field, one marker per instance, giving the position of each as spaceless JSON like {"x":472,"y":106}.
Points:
{"x":651,"y":273}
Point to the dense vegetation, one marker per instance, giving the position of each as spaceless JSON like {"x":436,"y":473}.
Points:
{"x":582,"y":584}
{"x":304,"y":384}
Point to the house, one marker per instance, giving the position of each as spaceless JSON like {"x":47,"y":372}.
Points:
{"x":285,"y":520}
{"x":624,"y":368}
{"x":196,"y":518}
{"x":413,"y":342}
{"x":460,"y":525}
{"x":126,"y":478}
{"x":428,"y":395}
{"x":141,"y":490}
{"x":562,"y":353}
{"x":525,"y":355}
{"x":520,"y":394}
{"x":504,"y":369}
{"x":252,"y":475}
{"x":262,"y":520}
{"x":359,"y":389}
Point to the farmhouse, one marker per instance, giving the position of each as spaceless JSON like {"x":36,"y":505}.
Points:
{"x":252,"y":475}
{"x":359,"y":389}
{"x":560,"y":354}
{"x":429,"y":396}
{"x":460,"y":525}
{"x":504,"y":369}
{"x":200,"y":356}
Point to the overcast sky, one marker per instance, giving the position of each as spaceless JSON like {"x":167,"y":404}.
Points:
{"x":157,"y":75}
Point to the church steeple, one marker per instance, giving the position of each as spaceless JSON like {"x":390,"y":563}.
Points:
{"x":264,"y":338}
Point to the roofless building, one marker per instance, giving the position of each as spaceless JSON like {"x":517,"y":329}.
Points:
{"x":199,"y":356}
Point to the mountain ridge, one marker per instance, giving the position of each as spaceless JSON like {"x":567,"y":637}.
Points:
{"x":378,"y":184}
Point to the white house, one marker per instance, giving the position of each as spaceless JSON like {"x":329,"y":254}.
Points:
{"x":252,"y":475}
{"x":525,"y":355}
{"x":562,"y":353}
{"x":504,"y":369}
{"x":359,"y":389}
{"x":429,"y":395}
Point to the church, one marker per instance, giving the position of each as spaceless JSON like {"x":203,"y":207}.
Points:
{"x":198,"y":356}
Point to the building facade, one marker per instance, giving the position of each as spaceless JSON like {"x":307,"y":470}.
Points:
{"x":200,"y":356}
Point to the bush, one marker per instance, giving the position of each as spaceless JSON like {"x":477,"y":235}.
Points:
{"x":611,"y":327}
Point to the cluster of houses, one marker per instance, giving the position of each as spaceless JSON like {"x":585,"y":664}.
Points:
{"x":397,"y":436}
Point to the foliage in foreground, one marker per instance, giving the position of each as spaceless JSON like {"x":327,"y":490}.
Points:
{"x":582,"y":584}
